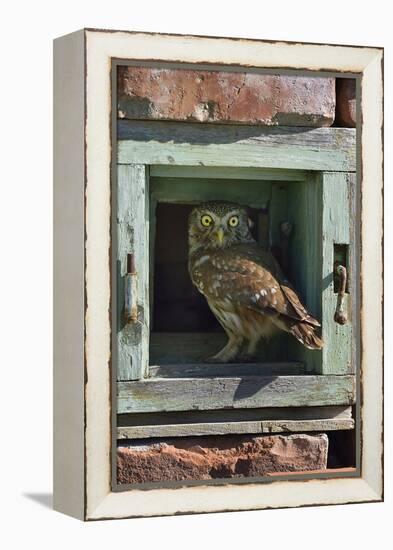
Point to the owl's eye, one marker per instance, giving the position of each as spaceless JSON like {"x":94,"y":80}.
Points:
{"x":233,"y":221}
{"x":206,"y":220}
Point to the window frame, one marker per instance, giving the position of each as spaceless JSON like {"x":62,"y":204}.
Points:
{"x":133,"y":193}
{"x":84,"y":390}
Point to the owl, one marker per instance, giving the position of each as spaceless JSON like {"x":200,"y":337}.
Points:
{"x":243,"y":284}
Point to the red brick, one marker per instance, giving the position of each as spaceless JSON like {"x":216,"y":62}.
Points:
{"x":231,"y":97}
{"x":221,"y":457}
{"x":346,"y":102}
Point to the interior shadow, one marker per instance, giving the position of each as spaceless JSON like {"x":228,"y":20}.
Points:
{"x":251,"y":385}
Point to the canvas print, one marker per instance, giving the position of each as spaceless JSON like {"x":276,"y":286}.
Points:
{"x":235,"y":274}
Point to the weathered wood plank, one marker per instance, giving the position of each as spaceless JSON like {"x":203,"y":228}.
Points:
{"x":191,"y":133}
{"x":241,"y":392}
{"x":229,"y":369}
{"x":223,"y":421}
{"x":221,"y":428}
{"x":337,"y":352}
{"x":213,"y":172}
{"x":267,"y":420}
{"x":133,"y":237}
{"x":354,"y":268}
{"x":305,"y":251}
{"x":191,"y":190}
{"x":235,"y":415}
{"x":218,"y":145}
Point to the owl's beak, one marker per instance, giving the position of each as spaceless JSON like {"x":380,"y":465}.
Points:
{"x":220,"y":236}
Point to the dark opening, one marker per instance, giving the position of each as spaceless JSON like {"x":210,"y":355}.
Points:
{"x":183,"y":328}
{"x":177,"y":305}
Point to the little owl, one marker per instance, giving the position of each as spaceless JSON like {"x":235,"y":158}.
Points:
{"x":243,"y":284}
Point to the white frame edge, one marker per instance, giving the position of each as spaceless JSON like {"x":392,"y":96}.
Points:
{"x":101,"y":502}
{"x":69,"y":275}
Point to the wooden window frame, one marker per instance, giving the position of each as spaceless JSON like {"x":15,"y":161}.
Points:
{"x":330,"y":154}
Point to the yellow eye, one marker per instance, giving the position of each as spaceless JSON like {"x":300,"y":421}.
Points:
{"x":206,"y":220}
{"x":233,"y":221}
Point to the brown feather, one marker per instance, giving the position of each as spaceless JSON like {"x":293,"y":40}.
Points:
{"x":298,"y":306}
{"x":306,"y":335}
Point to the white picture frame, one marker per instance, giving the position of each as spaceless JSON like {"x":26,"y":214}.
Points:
{"x":82,"y":385}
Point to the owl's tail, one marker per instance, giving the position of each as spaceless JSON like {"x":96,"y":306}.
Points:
{"x":306,"y":335}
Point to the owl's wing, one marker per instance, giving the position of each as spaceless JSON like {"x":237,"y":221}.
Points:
{"x":268,"y":262}
{"x":253,"y":278}
{"x":295,"y":302}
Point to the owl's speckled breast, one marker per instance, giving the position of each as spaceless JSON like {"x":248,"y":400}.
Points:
{"x":204,"y":268}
